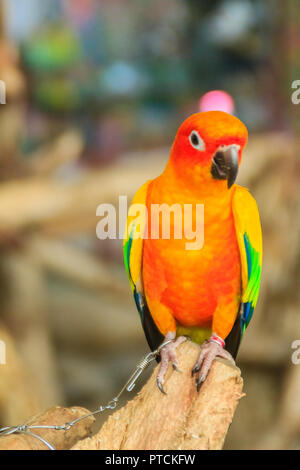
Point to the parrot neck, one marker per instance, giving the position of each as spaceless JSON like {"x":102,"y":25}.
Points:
{"x":195,"y":184}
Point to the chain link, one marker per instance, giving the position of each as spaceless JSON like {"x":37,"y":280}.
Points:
{"x":111,"y":405}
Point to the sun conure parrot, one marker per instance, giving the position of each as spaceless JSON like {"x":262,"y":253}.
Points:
{"x":208,"y":294}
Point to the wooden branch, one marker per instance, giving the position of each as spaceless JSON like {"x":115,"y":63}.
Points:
{"x":183,"y":419}
{"x":65,"y":148}
{"x":18,"y":397}
{"x":24,"y":299}
{"x":58,"y":439}
{"x":74,"y":264}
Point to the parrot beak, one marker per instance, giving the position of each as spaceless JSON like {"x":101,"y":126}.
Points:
{"x":225,"y":165}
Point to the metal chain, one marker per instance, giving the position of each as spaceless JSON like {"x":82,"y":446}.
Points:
{"x":111,"y":405}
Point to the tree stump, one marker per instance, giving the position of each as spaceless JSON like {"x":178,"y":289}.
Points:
{"x":181,"y":420}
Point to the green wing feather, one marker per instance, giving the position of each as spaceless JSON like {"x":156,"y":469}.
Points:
{"x":248,"y":231}
{"x":254,"y":275}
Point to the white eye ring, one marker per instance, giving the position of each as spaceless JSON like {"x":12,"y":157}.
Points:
{"x":196,"y":141}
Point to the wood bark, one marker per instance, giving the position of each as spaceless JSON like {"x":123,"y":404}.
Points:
{"x":60,"y":440}
{"x":181,"y":420}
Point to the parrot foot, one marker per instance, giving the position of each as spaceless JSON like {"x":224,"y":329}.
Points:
{"x":168,"y":354}
{"x":209,"y":351}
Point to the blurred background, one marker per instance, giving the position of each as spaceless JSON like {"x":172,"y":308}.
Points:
{"x":95,"y":91}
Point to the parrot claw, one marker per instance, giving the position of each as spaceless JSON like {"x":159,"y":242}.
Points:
{"x":195,"y":369}
{"x":199,"y":383}
{"x":159,"y":384}
{"x":168,"y":354}
{"x":209,"y":351}
{"x":176,"y":368}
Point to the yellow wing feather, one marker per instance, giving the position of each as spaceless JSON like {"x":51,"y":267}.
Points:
{"x":133,"y":240}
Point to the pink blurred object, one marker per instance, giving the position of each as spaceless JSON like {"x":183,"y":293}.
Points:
{"x":80,"y":11}
{"x":216,"y":100}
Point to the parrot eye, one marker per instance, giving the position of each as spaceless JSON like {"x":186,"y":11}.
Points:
{"x":196,"y":141}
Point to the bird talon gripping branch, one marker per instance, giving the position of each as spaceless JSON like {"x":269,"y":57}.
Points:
{"x":168,"y":355}
{"x":186,"y":288}
{"x":210,"y":349}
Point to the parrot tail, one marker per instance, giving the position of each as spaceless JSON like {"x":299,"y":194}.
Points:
{"x":233,"y":340}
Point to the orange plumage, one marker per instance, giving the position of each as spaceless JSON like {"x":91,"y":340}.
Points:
{"x":214,"y":288}
{"x":189,"y":288}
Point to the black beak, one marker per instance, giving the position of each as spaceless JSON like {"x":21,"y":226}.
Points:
{"x":225,"y":165}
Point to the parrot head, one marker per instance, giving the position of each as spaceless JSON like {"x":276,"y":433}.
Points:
{"x":208,"y":148}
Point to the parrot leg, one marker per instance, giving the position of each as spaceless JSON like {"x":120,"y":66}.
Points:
{"x":209,"y":351}
{"x":168,"y":354}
